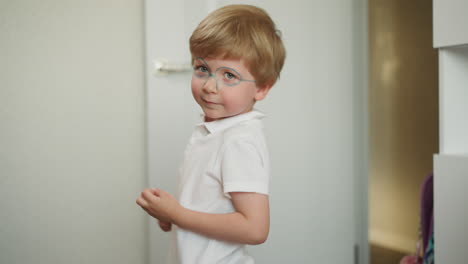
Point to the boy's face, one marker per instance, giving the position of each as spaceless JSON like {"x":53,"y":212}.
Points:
{"x":224,"y":87}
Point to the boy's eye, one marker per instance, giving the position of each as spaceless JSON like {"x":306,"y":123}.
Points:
{"x":201,"y":71}
{"x":201,"y":68}
{"x":229,"y":76}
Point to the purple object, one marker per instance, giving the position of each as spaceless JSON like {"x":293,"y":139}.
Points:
{"x":427,"y":209}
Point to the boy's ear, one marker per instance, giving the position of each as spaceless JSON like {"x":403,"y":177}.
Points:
{"x":262,"y":91}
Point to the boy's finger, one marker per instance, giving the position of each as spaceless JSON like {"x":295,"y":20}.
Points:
{"x":166,"y":226}
{"x":141,"y":202}
{"x":148,"y":195}
{"x":157,"y":191}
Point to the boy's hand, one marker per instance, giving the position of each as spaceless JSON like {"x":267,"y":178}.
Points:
{"x":159,"y":204}
{"x":165,"y":226}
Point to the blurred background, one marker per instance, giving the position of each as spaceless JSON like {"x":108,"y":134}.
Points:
{"x":403,"y":122}
{"x":76,"y":128}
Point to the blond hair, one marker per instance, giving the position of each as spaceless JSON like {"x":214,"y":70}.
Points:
{"x":242,"y":32}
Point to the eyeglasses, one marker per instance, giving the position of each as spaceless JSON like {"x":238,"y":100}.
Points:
{"x":227,"y":76}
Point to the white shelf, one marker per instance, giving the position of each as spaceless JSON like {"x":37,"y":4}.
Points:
{"x":450,"y":208}
{"x":453,"y":100}
{"x":450,"y":23}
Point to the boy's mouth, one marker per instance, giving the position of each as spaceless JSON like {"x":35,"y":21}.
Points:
{"x":209,"y":102}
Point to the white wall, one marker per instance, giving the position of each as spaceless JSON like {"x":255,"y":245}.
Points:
{"x":72,"y":132}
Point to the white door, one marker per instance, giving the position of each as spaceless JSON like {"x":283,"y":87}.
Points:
{"x":314,"y":125}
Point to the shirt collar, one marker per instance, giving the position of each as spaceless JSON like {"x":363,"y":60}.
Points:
{"x":219,"y":125}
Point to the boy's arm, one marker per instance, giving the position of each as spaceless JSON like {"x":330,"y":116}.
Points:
{"x":249,"y":224}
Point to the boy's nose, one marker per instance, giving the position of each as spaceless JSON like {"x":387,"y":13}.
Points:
{"x":210,"y":85}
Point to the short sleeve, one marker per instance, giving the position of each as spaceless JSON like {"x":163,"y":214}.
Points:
{"x":244,"y":168}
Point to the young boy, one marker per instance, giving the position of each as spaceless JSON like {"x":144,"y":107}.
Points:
{"x":222,"y":204}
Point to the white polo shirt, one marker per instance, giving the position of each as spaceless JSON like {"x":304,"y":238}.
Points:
{"x":227,"y":155}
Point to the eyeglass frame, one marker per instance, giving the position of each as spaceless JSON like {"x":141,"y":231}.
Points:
{"x":210,"y":74}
